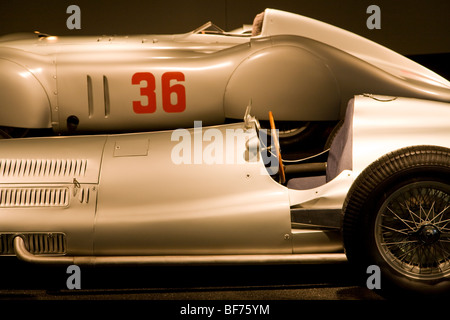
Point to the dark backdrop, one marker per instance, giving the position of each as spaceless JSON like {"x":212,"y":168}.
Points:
{"x":410,"y":27}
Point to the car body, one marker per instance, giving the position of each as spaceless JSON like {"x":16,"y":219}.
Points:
{"x":307,"y":68}
{"x":206,"y":195}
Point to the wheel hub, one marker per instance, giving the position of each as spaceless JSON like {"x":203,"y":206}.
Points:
{"x":428,"y":234}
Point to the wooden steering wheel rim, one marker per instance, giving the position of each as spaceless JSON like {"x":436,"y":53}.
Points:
{"x":277,"y":148}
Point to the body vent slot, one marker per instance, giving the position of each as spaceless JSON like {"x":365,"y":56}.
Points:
{"x":34,"y":197}
{"x":43,"y":167}
{"x":84,"y":195}
{"x":36,"y":243}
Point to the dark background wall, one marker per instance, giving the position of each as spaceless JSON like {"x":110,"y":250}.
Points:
{"x":409,"y":27}
{"x":416,"y":28}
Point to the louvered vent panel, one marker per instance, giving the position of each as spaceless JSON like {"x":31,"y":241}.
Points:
{"x":34,"y":197}
{"x":36,"y":243}
{"x":5,"y":244}
{"x":46,"y":243}
{"x":43,"y":167}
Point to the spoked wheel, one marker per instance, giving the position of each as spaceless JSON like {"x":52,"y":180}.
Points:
{"x":397,"y":216}
{"x":412,"y":230}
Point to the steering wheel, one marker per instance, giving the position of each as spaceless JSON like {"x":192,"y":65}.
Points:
{"x":274,"y":134}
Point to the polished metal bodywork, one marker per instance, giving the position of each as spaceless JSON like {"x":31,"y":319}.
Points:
{"x":303,"y":69}
{"x":123,"y":199}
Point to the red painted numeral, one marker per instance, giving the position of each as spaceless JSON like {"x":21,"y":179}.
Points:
{"x":146,"y":91}
{"x":176,"y":91}
{"x":173,"y":94}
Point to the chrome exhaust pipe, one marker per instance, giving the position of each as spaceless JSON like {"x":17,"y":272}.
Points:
{"x":23,"y":254}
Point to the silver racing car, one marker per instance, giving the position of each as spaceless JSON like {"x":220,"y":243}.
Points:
{"x":224,"y":194}
{"x":306,"y":69}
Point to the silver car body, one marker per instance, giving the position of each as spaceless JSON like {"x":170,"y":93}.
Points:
{"x":307,"y":69}
{"x":123,"y":198}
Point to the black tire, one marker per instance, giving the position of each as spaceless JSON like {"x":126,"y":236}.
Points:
{"x":333,"y":135}
{"x":395,"y":217}
{"x":9,"y":132}
{"x":291,"y":132}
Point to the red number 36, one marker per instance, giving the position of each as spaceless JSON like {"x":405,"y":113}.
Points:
{"x":173,"y":95}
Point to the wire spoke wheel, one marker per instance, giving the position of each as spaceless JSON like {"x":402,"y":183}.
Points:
{"x":397,"y":216}
{"x":412,"y":230}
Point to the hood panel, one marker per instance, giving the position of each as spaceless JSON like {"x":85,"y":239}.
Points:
{"x":54,"y":160}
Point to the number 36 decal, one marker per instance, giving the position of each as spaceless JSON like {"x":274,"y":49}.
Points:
{"x":173,"y":94}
